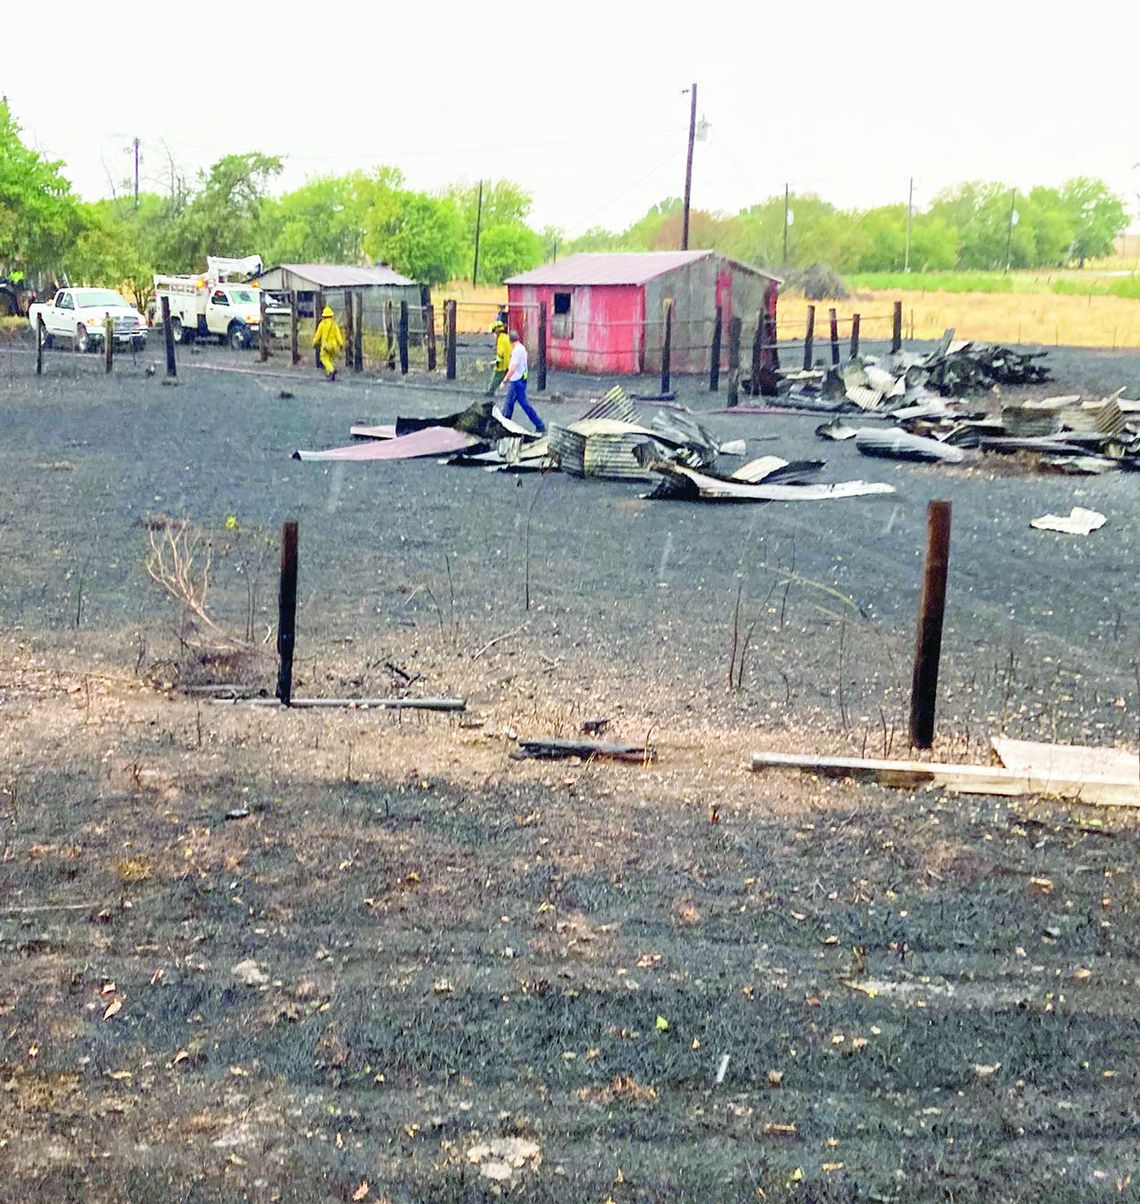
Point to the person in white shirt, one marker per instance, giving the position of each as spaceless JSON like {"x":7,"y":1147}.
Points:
{"x":516,"y":384}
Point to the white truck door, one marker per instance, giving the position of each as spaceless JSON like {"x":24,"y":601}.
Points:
{"x":61,"y":315}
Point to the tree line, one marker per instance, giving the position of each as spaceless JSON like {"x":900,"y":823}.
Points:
{"x":373,"y":216}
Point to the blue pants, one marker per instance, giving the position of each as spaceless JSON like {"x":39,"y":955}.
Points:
{"x":516,"y":391}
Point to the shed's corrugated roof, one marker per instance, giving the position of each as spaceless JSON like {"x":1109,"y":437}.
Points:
{"x":342,"y":275}
{"x":619,"y":267}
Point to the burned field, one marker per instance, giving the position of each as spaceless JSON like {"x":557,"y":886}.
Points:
{"x":368,"y":955}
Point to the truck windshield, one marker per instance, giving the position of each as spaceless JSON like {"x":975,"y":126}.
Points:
{"x":241,"y":296}
{"x":98,"y":296}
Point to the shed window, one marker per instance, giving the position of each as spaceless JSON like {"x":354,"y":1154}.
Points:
{"x":562,"y":326}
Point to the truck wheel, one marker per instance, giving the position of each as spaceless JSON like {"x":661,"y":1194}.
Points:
{"x":176,"y":330}
{"x":82,"y":339}
{"x":239,"y":336}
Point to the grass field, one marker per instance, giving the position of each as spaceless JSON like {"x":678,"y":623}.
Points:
{"x":1075,"y":309}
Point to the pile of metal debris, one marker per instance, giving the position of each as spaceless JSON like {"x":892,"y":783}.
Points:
{"x":609,"y":442}
{"x":871,"y":383}
{"x":1065,"y":434}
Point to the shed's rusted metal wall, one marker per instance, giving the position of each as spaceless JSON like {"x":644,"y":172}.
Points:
{"x":618,"y":329}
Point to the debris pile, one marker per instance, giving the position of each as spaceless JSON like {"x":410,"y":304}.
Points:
{"x":1066,"y":434}
{"x":608,"y":441}
{"x":871,"y":383}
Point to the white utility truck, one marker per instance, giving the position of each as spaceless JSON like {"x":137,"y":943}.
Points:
{"x":222,"y":302}
{"x":80,"y":315}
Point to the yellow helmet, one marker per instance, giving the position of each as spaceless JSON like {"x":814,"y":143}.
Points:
{"x":327,"y":312}
{"x":496,"y":327}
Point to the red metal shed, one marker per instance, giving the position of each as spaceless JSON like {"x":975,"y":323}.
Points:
{"x":605,"y":312}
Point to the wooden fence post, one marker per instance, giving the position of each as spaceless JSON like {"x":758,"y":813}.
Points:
{"x":855,"y":320}
{"x":41,"y":338}
{"x":168,"y":336}
{"x":928,"y":644}
{"x":735,"y":330}
{"x":667,"y":346}
{"x":542,"y":346}
{"x":318,"y":309}
{"x":358,"y":331}
{"x":896,"y":328}
{"x":429,"y":335}
{"x":833,"y":321}
{"x":349,"y":329}
{"x":771,"y":350}
{"x":287,"y":612}
{"x":403,"y":338}
{"x":390,"y":335}
{"x":108,"y":343}
{"x":714,"y":350}
{"x":294,"y":343}
{"x":449,"y":325}
{"x":757,"y":354}
{"x":263,"y":330}
{"x":809,"y":338}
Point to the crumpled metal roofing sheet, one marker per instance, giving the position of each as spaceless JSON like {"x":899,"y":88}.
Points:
{"x":431,"y":441}
{"x":619,"y":267}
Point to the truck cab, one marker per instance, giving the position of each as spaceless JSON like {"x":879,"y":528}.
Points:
{"x":213,"y":305}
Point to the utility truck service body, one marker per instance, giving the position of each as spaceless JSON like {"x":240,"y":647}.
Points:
{"x":221,"y":302}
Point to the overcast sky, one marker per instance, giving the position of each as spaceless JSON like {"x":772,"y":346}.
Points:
{"x":583,"y":103}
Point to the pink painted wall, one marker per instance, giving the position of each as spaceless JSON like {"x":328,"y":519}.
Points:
{"x":607,"y":328}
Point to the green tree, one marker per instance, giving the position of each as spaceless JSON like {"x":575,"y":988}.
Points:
{"x":39,"y":217}
{"x":224,"y":217}
{"x":506,"y":249}
{"x":419,"y":235}
{"x":1098,"y":215}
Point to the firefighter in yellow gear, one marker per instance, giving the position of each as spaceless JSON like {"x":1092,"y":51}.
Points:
{"x":329,"y":338}
{"x":502,"y":357}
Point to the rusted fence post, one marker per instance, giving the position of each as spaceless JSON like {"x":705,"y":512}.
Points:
{"x":108,"y":344}
{"x":358,"y":331}
{"x":263,"y":329}
{"x":735,"y":330}
{"x":896,"y":327}
{"x":714,"y":350}
{"x":855,"y":320}
{"x":809,"y":338}
{"x":41,"y":338}
{"x":429,"y":335}
{"x":287,"y":612}
{"x":931,"y":607}
{"x":667,"y":346}
{"x":542,"y":346}
{"x":402,"y":337}
{"x":833,"y":319}
{"x":449,"y":325}
{"x":294,"y":342}
{"x":390,"y":335}
{"x":168,"y":337}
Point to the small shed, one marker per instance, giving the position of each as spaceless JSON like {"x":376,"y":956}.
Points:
{"x":605,"y":311}
{"x":378,"y":284}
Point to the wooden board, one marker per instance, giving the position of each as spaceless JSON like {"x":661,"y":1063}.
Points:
{"x":964,"y":779}
{"x":1067,"y":760}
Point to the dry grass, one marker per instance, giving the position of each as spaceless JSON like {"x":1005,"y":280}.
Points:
{"x":1046,"y":318}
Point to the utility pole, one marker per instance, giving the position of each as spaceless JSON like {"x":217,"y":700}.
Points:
{"x":689,"y":166}
{"x":909,"y":223}
{"x":136,"y":146}
{"x":1009,"y":232}
{"x":787,"y":202}
{"x":478,"y":227}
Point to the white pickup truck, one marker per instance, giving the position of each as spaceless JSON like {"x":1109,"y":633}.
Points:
{"x":80,"y":315}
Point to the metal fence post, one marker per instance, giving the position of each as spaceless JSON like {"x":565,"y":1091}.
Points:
{"x":358,"y":331}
